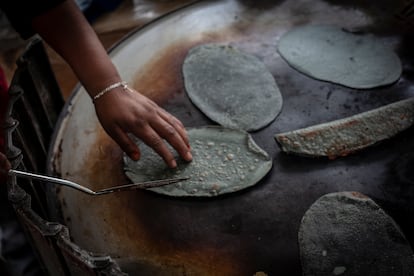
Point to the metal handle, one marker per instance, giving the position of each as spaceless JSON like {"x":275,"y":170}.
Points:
{"x":127,"y":187}
{"x":63,"y":182}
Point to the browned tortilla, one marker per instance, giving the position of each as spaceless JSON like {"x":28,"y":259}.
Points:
{"x":342,"y":137}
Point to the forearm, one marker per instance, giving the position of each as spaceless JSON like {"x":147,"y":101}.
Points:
{"x":66,"y":30}
{"x":79,"y":45}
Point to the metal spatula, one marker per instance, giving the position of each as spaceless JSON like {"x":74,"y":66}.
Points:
{"x":127,"y":187}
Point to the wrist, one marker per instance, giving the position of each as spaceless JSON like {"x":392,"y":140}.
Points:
{"x":111,"y":89}
{"x":96,"y":83}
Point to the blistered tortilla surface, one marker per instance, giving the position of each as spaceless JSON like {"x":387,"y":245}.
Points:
{"x":224,"y":161}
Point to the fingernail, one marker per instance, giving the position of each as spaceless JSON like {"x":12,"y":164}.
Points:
{"x":173,"y":164}
{"x":135,"y":156}
{"x":188,"y":156}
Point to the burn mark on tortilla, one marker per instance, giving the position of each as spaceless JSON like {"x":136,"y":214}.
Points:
{"x":345,"y":136}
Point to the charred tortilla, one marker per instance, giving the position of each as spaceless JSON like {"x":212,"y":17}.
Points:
{"x":341,"y":137}
{"x":224,"y":161}
{"x":331,"y":54}
{"x":232,"y":88}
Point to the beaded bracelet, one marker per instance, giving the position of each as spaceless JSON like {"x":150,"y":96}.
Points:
{"x":109,"y":88}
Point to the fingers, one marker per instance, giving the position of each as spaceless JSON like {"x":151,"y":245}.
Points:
{"x":147,"y":121}
{"x":169,"y":128}
{"x":153,"y":140}
{"x":177,"y":125}
{"x":162,"y":125}
{"x":153,"y":137}
{"x":126,"y":144}
{"x":174,"y":136}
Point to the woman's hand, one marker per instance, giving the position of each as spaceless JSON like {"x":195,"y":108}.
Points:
{"x":67,"y":31}
{"x":121,"y":112}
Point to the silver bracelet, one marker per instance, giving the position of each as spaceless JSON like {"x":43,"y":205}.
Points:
{"x":109,"y":88}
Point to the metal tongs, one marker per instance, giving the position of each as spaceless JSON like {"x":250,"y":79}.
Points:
{"x":127,"y":187}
